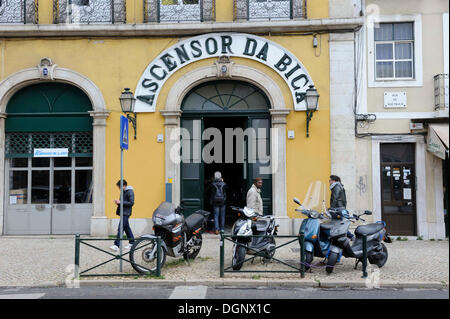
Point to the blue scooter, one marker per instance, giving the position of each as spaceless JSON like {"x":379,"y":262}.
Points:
{"x":317,"y":234}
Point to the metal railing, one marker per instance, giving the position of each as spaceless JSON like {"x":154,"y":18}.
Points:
{"x":89,"y":11}
{"x":18,"y":11}
{"x":254,"y":10}
{"x":179,"y":10}
{"x":302,"y":269}
{"x":118,"y":257}
{"x":223,"y":270}
{"x":441,"y":92}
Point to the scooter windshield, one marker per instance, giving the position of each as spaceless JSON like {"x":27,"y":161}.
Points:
{"x":315,"y":197}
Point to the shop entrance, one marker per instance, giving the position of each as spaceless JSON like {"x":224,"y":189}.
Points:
{"x":208,"y":111}
{"x":48,"y":161}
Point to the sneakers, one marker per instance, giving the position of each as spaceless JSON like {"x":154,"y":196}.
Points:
{"x":116,"y":248}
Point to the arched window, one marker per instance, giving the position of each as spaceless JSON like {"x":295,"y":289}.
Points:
{"x":225,"y":96}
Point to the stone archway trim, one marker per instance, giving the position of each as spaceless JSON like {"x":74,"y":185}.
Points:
{"x":279,"y":112}
{"x":14,"y":82}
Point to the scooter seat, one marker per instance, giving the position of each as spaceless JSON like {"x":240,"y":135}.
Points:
{"x":369,"y":229}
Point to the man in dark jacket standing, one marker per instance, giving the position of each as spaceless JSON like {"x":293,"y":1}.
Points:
{"x":218,"y":200}
{"x":128,"y":202}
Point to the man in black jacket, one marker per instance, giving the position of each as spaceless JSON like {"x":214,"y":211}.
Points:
{"x":128,"y":202}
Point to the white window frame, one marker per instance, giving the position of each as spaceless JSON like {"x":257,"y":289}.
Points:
{"x":417,"y":79}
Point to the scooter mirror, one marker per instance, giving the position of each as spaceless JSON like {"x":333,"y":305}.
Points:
{"x":367,"y":212}
{"x":296,"y":200}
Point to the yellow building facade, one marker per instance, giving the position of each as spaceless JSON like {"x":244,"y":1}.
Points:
{"x":279,"y":58}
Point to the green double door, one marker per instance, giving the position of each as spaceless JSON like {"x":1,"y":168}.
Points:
{"x":197,"y":170}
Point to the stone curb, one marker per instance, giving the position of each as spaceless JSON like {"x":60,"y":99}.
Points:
{"x":240,"y":284}
{"x":261,"y":283}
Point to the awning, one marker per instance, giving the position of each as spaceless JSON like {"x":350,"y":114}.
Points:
{"x":437,"y":141}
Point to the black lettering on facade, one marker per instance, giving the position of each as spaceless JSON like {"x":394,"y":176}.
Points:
{"x":295,"y":68}
{"x":169,"y":62}
{"x":283,"y":63}
{"x":197,"y":48}
{"x":208,"y":46}
{"x":301,"y":76}
{"x":156,"y":76}
{"x":226,"y":44}
{"x":149,"y":99}
{"x":299,"y":96}
{"x":182,"y":54}
{"x":250,"y":47}
{"x":263,"y":52}
{"x":151,"y":86}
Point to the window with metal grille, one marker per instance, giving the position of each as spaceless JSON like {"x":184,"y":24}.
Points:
{"x":22,"y":144}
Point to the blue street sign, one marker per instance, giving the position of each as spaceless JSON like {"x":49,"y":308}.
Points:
{"x":123,"y":132}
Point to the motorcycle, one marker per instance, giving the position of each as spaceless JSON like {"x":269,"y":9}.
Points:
{"x":329,"y":240}
{"x":251,"y":223}
{"x":179,"y":237}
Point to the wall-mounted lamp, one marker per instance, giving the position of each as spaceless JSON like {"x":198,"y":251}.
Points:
{"x":127,"y":102}
{"x":312,"y":99}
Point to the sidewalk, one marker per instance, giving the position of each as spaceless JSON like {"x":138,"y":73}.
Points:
{"x":37,"y":261}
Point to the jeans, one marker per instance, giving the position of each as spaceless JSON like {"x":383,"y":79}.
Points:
{"x":126,"y":229}
{"x":219,"y":210}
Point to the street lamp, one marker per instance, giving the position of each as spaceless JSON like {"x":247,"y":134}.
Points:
{"x":312,"y":99}
{"x":127,"y":102}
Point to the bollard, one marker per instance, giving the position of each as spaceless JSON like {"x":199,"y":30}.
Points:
{"x":222,"y":253}
{"x":364,"y":261}
{"x":302,"y":255}
{"x":158,"y":256}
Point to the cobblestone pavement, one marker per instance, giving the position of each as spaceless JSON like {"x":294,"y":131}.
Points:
{"x":45,"y":260}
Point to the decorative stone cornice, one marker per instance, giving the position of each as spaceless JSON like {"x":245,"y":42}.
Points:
{"x":99,"y":117}
{"x":3,"y":115}
{"x":172,"y":116}
{"x":180,"y":29}
{"x":279,"y":115}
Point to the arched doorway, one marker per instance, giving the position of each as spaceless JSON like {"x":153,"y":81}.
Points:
{"x":48,"y":160}
{"x":222,"y":119}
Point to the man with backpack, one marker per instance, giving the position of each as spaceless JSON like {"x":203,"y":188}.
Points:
{"x":218,"y":199}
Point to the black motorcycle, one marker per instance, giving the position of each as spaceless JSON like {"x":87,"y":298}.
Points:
{"x":340,"y":244}
{"x":251,"y":223}
{"x":179,"y":237}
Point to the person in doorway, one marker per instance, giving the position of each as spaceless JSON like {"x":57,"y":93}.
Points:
{"x":338,"y":199}
{"x":218,"y":200}
{"x":128,"y":202}
{"x":254,"y":200}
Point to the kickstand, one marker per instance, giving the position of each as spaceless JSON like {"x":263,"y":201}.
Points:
{"x":357,"y":262}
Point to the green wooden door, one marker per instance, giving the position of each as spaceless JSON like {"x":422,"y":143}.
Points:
{"x":259,"y":164}
{"x":192,"y":181}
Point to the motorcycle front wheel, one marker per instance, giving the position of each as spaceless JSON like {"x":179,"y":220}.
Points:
{"x":193,"y":252}
{"x":143,"y":256}
{"x":239,"y":257}
{"x":331,"y":262}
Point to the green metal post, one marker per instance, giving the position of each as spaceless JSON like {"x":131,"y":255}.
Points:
{"x":302,"y":255}
{"x":158,"y":256}
{"x":77,"y":256}
{"x":222,"y":253}
{"x":364,"y":261}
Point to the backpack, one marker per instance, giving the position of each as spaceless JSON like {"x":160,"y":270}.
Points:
{"x":219,"y":194}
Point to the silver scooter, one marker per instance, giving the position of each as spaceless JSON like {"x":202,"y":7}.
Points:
{"x":251,"y":223}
